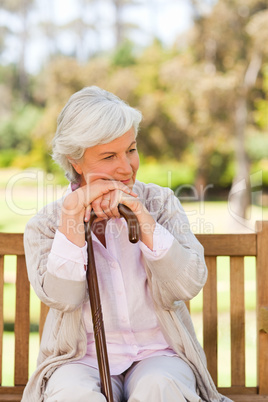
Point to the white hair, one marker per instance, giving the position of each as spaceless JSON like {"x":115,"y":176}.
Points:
{"x":91,"y":117}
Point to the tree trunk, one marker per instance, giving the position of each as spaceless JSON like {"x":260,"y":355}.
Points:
{"x":23,"y":78}
{"x":240,"y":194}
{"x":118,"y":23}
{"x":239,"y":197}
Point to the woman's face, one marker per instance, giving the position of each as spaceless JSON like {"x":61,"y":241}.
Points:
{"x":118,"y":160}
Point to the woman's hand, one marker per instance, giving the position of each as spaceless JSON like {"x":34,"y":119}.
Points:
{"x":106,"y":207}
{"x":103,"y":196}
{"x":80,"y":201}
{"x":78,"y":205}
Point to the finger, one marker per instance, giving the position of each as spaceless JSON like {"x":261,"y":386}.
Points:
{"x":96,"y":205}
{"x":87,"y":213}
{"x":131,"y":202}
{"x":99,"y":188}
{"x":105,"y":206}
{"x":110,"y":201}
{"x":114,"y":201}
{"x":117,"y":185}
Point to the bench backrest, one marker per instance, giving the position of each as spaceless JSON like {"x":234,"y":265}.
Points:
{"x":236,"y":246}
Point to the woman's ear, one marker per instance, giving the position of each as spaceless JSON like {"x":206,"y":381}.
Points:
{"x":76,"y":166}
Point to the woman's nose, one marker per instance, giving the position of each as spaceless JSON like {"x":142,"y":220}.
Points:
{"x":125,"y":166}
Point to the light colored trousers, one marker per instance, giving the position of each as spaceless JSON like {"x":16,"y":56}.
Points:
{"x":155,"y":379}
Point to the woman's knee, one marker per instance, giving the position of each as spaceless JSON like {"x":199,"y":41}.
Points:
{"x":158,"y":380}
{"x":154,"y":380}
{"x":73,"y":382}
{"x":74,"y":393}
{"x":78,"y":382}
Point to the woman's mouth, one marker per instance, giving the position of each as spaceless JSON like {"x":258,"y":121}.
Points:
{"x":125,"y":181}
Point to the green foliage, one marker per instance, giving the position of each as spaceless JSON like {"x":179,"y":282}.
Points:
{"x":218,"y":173}
{"x":262,"y":166}
{"x":16,"y":135}
{"x":15,"y":131}
{"x":167,"y":173}
{"x":124,"y":55}
{"x":7,"y":157}
{"x":261,"y":103}
{"x":257,"y":144}
{"x":261,"y":113}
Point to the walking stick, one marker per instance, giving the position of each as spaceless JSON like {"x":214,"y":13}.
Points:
{"x":95,"y":302}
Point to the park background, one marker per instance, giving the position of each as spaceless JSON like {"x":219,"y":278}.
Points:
{"x":198,"y":71}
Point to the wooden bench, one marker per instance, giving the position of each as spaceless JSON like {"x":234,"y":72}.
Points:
{"x":232,"y":245}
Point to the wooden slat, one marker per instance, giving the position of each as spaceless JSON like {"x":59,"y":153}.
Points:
{"x":22,"y":323}
{"x":11,"y":244}
{"x":1,"y":310}
{"x":237,"y":321}
{"x":238,"y":390}
{"x":249,"y":398}
{"x":210,"y":319}
{"x":187,"y":303}
{"x":11,"y":394}
{"x":43,"y":314}
{"x":14,"y":390}
{"x":229,"y":244}
{"x":10,"y":398}
{"x":262,"y":301}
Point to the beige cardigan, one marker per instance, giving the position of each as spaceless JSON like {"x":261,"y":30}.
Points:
{"x":177,"y":277}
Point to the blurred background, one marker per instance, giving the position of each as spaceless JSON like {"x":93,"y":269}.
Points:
{"x":198,"y":71}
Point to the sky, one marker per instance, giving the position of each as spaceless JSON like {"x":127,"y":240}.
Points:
{"x":165,"y":19}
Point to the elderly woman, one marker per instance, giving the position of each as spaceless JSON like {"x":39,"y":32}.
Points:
{"x":153,"y":351}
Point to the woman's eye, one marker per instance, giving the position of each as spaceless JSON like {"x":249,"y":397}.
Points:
{"x":109,"y":157}
{"x":133,"y":149}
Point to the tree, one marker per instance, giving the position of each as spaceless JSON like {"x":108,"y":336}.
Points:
{"x":50,"y":30}
{"x":4,"y":32}
{"x":82,"y":27}
{"x":120,"y":25}
{"x":159,"y":136}
{"x":21,"y":9}
{"x":231,"y":49}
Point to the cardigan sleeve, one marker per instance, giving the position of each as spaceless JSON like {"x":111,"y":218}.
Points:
{"x":181,"y":273}
{"x":62,"y":294}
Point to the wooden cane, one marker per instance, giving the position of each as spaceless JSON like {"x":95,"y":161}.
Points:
{"x":95,"y":302}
